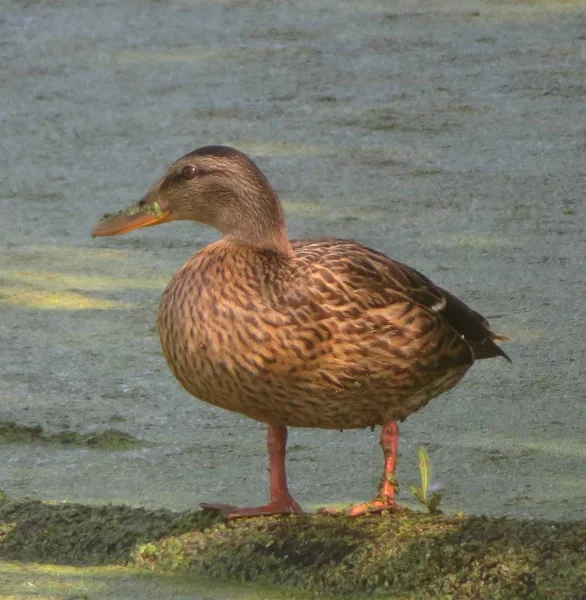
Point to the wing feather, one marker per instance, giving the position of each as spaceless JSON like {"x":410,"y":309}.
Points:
{"x":359,"y":269}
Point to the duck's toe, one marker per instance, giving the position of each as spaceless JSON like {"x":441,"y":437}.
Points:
{"x":285,"y":506}
{"x":376,"y":506}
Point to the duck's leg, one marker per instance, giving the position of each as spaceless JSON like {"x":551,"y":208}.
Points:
{"x":385,"y":500}
{"x":281,"y":500}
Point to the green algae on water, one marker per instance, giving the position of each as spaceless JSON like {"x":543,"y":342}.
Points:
{"x":109,"y":439}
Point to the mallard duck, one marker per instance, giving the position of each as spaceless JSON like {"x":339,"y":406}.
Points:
{"x":320,"y":333}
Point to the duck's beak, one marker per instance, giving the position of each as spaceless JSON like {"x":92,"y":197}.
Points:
{"x":142,"y":214}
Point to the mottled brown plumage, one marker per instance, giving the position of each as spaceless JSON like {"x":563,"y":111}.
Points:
{"x":306,"y":333}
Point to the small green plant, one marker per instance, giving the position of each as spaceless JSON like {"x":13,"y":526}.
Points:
{"x":422,"y":493}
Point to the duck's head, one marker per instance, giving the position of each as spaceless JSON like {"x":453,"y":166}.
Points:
{"x":215,"y":185}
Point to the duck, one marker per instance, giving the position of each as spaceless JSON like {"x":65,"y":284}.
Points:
{"x":321,"y":333}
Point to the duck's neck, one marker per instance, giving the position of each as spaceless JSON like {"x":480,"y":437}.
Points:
{"x":261,"y":225}
{"x":262,"y":240}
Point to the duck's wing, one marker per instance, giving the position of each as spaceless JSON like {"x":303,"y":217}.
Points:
{"x":376,"y":279}
{"x":471,"y":325}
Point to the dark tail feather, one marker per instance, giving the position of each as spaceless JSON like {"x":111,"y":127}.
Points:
{"x":488,"y":349}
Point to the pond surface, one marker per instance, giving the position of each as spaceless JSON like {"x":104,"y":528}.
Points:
{"x":448,"y":135}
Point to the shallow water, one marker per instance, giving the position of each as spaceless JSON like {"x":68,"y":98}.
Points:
{"x":450,"y":136}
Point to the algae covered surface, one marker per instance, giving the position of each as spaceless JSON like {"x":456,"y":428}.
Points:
{"x":449,"y":135}
{"x":397,"y":555}
{"x":110,"y":439}
{"x":31,"y":581}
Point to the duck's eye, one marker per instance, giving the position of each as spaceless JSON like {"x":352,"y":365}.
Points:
{"x":189,"y":172}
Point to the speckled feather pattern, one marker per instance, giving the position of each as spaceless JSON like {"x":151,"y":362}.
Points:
{"x":334,"y":335}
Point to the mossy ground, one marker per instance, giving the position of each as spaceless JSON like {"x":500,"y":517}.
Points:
{"x":399,"y":555}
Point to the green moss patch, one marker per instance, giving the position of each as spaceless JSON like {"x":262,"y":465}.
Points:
{"x":399,"y":555}
{"x":405,"y":555}
{"x":110,"y":439}
{"x":77,"y":534}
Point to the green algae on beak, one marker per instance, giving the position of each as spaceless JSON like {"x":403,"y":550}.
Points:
{"x":154,"y":209}
{"x":142,"y":214}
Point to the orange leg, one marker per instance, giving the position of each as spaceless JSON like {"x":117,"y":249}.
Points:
{"x":385,"y":500}
{"x":281,"y":500}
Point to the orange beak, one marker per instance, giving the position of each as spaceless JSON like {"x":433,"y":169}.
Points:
{"x":135,"y":217}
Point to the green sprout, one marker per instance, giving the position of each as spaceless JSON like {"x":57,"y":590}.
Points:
{"x":422,"y":493}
